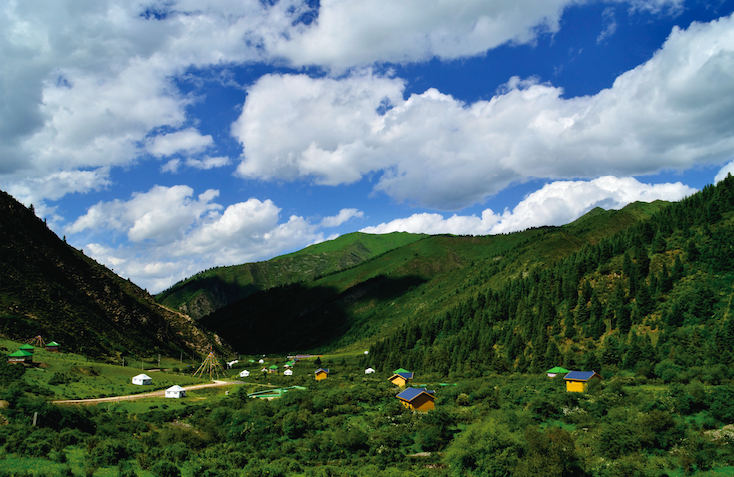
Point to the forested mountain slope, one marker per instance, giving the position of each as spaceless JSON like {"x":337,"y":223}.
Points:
{"x":212,"y":289}
{"x":47,"y":287}
{"x":407,"y":285}
{"x":654,"y":298}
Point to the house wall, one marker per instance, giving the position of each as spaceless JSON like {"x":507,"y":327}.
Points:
{"x":321,"y":376}
{"x":399,"y":381}
{"x":575,"y":386}
{"x":420,"y":403}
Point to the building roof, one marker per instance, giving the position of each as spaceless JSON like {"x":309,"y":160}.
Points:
{"x":53,"y":343}
{"x":400,"y":370}
{"x":142,"y":376}
{"x":20,"y":353}
{"x":175,"y":388}
{"x":580,"y":375}
{"x":27,"y":347}
{"x":557,"y":370}
{"x":405,"y":375}
{"x":411,"y":393}
{"x":321,"y":370}
{"x":274,"y":366}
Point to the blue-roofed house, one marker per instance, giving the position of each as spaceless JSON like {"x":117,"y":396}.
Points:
{"x":417,"y":399}
{"x":577,"y":381}
{"x":401,"y":377}
{"x":321,"y":373}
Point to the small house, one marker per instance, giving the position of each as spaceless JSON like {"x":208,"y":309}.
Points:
{"x":175,"y":392}
{"x":28,"y":348}
{"x":273,"y":369}
{"x":142,"y":380}
{"x":53,"y":346}
{"x":288,"y":372}
{"x":553,"y":372}
{"x":401,"y":377}
{"x":321,"y":373}
{"x":369,"y":371}
{"x":244,"y":373}
{"x":578,"y":381}
{"x":20,"y":356}
{"x":290,"y":364}
{"x":262,"y":361}
{"x":417,"y":399}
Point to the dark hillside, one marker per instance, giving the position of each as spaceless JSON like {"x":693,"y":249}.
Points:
{"x":215,"y":288}
{"x":52,"y":289}
{"x":352,"y":308}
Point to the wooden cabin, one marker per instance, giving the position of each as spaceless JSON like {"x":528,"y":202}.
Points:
{"x":417,"y":399}
{"x":28,"y":348}
{"x":321,"y":373}
{"x":578,"y":381}
{"x":401,"y":377}
{"x":20,"y":356}
{"x":53,"y":346}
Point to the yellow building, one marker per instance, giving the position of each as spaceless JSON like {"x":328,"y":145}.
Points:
{"x":417,"y":399}
{"x":400,"y":377}
{"x":578,"y":381}
{"x":321,"y":373}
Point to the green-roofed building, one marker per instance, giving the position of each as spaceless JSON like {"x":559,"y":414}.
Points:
{"x":53,"y":346}
{"x":553,"y":372}
{"x":20,"y":356}
{"x":27,"y":347}
{"x":273,"y":369}
{"x":400,"y":370}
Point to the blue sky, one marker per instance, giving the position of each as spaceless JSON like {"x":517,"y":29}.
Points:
{"x":167,"y":137}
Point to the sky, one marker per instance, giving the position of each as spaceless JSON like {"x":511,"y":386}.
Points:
{"x":168,"y":137}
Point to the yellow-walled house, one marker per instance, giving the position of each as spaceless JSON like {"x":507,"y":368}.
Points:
{"x":321,"y":373}
{"x":400,"y":377}
{"x":417,"y":399}
{"x":578,"y":381}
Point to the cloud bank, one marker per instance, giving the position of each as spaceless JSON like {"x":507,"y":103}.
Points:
{"x":171,"y":234}
{"x":672,"y":112}
{"x":557,"y":203}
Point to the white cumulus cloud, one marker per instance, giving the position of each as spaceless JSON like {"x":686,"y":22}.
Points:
{"x":171,"y":233}
{"x":672,"y":112}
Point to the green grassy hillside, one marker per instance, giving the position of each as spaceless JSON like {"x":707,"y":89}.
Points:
{"x":212,"y":289}
{"x":352,"y":308}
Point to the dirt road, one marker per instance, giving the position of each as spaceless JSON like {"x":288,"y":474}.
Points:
{"x":131,"y":397}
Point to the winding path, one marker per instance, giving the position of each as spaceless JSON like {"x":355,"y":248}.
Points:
{"x":132,"y":397}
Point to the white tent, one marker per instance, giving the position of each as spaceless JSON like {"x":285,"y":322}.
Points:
{"x":175,"y":392}
{"x":244,"y":373}
{"x":142,"y":379}
{"x":261,"y":361}
{"x":369,"y":371}
{"x":288,"y":372}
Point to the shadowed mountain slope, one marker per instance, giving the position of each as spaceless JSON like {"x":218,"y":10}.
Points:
{"x":212,"y":289}
{"x":352,"y":308}
{"x":47,"y":287}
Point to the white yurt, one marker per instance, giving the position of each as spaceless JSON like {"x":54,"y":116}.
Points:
{"x":175,"y":392}
{"x":288,"y":372}
{"x":244,"y":373}
{"x":142,"y":379}
{"x":369,"y":371}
